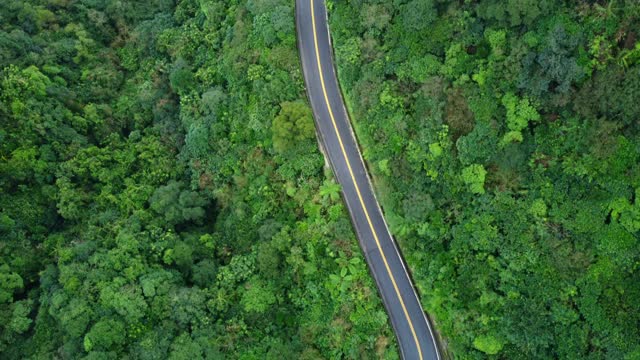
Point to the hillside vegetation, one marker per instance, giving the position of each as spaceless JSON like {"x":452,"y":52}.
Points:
{"x":504,"y":138}
{"x":163,"y":196}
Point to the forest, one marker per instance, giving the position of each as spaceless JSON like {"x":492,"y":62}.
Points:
{"x":504,"y":141}
{"x":163,"y":195}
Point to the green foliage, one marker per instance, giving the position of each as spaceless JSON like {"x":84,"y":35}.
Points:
{"x":105,"y":335}
{"x":417,"y":15}
{"x":178,"y":205}
{"x":162,"y":195}
{"x":540,"y":100}
{"x":629,"y":57}
{"x":538,"y":208}
{"x":479,"y":146}
{"x":474,"y":176}
{"x":610,"y":94}
{"x":349,"y":52}
{"x":488,"y":344}
{"x":555,"y":68}
{"x":420,"y":69}
{"x":181,"y":77}
{"x":9,"y":283}
{"x":519,"y":113}
{"x":515,"y":12}
{"x":151,"y":208}
{"x":294,"y":124}
{"x":20,"y":320}
{"x":258,"y":297}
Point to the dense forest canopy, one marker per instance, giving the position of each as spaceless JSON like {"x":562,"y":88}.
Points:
{"x":163,"y":196}
{"x":504,"y":140}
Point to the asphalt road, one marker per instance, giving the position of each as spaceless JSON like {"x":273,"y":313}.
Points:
{"x":413,"y":331}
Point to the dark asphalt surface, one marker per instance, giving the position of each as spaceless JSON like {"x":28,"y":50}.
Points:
{"x":415,"y":337}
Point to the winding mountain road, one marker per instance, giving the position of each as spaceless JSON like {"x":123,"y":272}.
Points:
{"x":413,"y":331}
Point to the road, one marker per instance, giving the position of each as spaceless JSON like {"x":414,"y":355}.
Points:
{"x":413,"y":331}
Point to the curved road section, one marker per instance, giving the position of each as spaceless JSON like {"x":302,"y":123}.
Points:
{"x":411,"y":326}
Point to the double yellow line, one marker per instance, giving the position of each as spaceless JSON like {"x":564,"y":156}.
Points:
{"x":364,"y":207}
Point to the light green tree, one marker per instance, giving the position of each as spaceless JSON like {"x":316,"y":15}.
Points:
{"x":474,"y":176}
{"x":488,"y":344}
{"x":293,"y":124}
{"x":520,"y":112}
{"x":259,"y":296}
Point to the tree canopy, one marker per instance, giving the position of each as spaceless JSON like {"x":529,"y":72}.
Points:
{"x":163,"y":196}
{"x":503,"y":139}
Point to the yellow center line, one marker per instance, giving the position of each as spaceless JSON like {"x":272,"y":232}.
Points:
{"x":366,"y":213}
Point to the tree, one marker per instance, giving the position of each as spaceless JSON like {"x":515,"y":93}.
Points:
{"x":479,"y":146}
{"x":417,"y":15}
{"x":106,"y":334}
{"x":294,"y":124}
{"x":258,"y":297}
{"x":474,"y":176}
{"x":181,"y":77}
{"x":9,"y":283}
{"x":331,"y":190}
{"x":184,"y":348}
{"x":519,"y":113}
{"x":178,"y":205}
{"x":488,"y":344}
{"x":555,"y":68}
